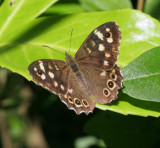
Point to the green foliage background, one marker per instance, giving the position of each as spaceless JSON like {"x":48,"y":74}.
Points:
{"x":27,"y":25}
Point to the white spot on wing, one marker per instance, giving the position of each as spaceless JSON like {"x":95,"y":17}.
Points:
{"x":51,"y":74}
{"x":56,"y":67}
{"x":92,"y":43}
{"x":43,"y":77}
{"x":65,"y":96}
{"x":55,"y":83}
{"x":107,"y":55}
{"x":113,"y":71}
{"x":107,"y":29}
{"x":101,"y":47}
{"x":41,"y":66}
{"x":62,"y":87}
{"x":103,"y":73}
{"x":106,"y":63}
{"x":89,"y":51}
{"x":35,"y":68}
{"x":109,"y":40}
{"x":99,"y":34}
{"x":70,"y":90}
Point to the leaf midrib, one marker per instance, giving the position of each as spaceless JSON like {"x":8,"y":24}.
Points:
{"x":142,"y":77}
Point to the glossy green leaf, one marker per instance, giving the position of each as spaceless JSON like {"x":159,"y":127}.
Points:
{"x":101,"y":5}
{"x":152,"y":7}
{"x":140,"y":33}
{"x":15,"y":14}
{"x":130,"y":106}
{"x":142,"y":76}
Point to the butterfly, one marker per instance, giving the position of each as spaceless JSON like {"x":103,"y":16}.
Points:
{"x":92,"y":76}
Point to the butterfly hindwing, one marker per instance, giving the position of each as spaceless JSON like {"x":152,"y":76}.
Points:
{"x":51,"y":74}
{"x":106,"y":82}
{"x":77,"y":97}
{"x":101,"y":46}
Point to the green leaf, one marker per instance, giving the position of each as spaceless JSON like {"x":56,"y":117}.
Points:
{"x":124,"y":131}
{"x":142,"y":76}
{"x":152,"y":7}
{"x":96,"y":5}
{"x":17,"y":14}
{"x":127,"y":105}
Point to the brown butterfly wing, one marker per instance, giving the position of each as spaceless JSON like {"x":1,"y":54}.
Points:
{"x":77,"y":97}
{"x":51,"y":74}
{"x":101,"y":46}
{"x":103,"y":84}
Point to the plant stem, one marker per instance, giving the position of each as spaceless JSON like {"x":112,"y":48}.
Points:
{"x":140,"y":5}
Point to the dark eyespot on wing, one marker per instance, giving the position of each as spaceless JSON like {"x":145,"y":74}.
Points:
{"x":51,"y":74}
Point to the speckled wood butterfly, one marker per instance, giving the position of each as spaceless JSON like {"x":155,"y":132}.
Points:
{"x":92,"y":74}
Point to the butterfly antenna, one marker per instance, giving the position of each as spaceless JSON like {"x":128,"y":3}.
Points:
{"x":70,"y":40}
{"x":53,"y":49}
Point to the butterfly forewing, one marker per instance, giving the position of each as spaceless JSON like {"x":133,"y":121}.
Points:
{"x":101,"y":46}
{"x":51,"y":74}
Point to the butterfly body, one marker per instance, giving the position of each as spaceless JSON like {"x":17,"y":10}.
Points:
{"x":92,"y":74}
{"x":71,"y":62}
